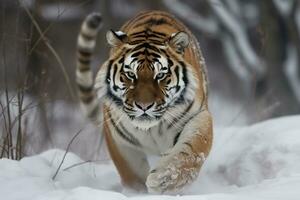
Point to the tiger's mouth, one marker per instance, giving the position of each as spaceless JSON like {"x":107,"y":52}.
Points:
{"x":144,"y":119}
{"x":141,"y":112}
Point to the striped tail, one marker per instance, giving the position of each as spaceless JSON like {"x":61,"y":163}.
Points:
{"x":84,"y":77}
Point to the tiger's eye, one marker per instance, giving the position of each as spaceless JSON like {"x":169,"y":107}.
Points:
{"x":160,"y":75}
{"x":130,"y":75}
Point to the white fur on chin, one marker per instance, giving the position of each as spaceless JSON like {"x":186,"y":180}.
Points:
{"x":144,"y":124}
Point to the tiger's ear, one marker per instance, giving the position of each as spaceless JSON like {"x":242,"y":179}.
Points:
{"x":179,"y":41}
{"x":116,"y":38}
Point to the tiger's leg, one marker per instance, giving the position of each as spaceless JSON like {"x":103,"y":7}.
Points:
{"x":182,"y":164}
{"x":131,"y":164}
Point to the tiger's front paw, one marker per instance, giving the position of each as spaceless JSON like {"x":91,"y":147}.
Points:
{"x":162,"y":180}
{"x":172,"y":176}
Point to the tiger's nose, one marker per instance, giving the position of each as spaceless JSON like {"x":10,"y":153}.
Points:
{"x":144,"y":106}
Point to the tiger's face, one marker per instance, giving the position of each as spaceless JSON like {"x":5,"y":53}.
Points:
{"x":144,"y":80}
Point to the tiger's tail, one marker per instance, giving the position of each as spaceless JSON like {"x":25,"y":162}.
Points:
{"x":84,"y":77}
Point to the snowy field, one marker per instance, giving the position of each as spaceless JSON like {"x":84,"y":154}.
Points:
{"x":261,"y":161}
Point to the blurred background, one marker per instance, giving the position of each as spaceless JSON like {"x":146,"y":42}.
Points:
{"x":251,"y":47}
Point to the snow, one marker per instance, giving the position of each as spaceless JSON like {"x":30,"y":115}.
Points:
{"x":261,"y":161}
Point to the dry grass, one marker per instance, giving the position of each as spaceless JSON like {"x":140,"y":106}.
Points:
{"x":12,"y":139}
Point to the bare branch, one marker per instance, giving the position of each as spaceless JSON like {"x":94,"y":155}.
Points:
{"x":236,"y":29}
{"x":77,"y":164}
{"x":284,"y":7}
{"x":67,"y":150}
{"x":235,"y":62}
{"x":60,"y":13}
{"x":19,"y":132}
{"x":291,"y":71}
{"x":52,"y":50}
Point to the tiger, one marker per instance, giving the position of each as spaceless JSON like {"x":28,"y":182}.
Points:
{"x":152,"y":94}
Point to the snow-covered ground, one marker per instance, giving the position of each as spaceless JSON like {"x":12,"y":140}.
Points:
{"x":261,"y":161}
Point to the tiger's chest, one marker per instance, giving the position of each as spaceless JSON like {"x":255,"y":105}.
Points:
{"x":156,"y":140}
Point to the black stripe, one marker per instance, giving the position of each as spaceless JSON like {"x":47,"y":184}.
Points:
{"x":156,"y":41}
{"x":170,"y":62}
{"x":184,"y":72}
{"x":83,"y":58}
{"x":177,"y":74}
{"x":191,"y":117}
{"x":159,"y":33}
{"x":84,"y":53}
{"x":149,"y":46}
{"x":155,"y":35}
{"x":141,"y":61}
{"x":148,"y":32}
{"x":83,"y":68}
{"x":137,"y":54}
{"x":114,"y":77}
{"x":164,"y":51}
{"x":85,"y":89}
{"x":136,"y":42}
{"x":137,"y":143}
{"x":182,"y":115}
{"x":152,"y":21}
{"x":179,"y":133}
{"x":87,"y":37}
{"x":176,"y":138}
{"x":138,"y":47}
{"x":85,"y":49}
{"x":148,"y":35}
{"x":133,"y":60}
{"x":112,"y":97}
{"x":93,"y":20}
{"x":121,"y":61}
{"x":137,"y":33}
{"x":155,"y":60}
{"x":84,"y":61}
{"x":108,"y":71}
{"x":155,"y":55}
{"x":125,"y":137}
{"x":186,"y":82}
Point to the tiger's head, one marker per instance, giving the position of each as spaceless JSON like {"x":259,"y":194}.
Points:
{"x":146,"y":74}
